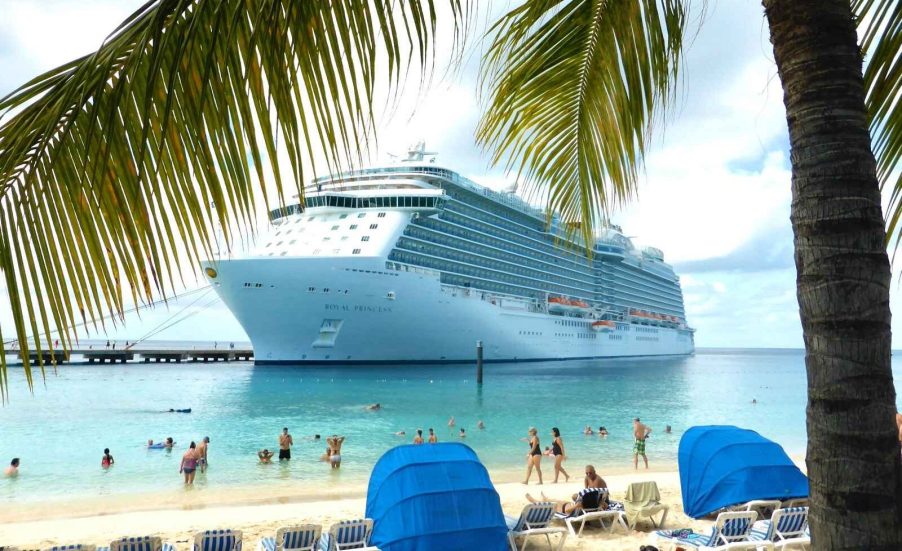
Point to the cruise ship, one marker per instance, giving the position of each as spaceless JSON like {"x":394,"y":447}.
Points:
{"x":414,"y":263}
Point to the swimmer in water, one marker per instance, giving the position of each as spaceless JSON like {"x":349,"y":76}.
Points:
{"x":432,"y":437}
{"x":107,"y":460}
{"x":480,"y":425}
{"x":418,"y":439}
{"x":335,"y":443}
{"x":169,"y":443}
{"x":374,"y":407}
{"x":463,"y":433}
{"x":325,"y":456}
{"x":451,"y":421}
{"x":265,"y":456}
{"x":13,"y":469}
{"x":588,"y":431}
{"x":401,"y":433}
{"x":149,"y":443}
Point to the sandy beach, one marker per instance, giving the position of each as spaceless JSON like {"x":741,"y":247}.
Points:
{"x":176,"y":516}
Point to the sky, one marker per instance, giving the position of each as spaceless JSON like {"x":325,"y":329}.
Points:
{"x":714,"y":196}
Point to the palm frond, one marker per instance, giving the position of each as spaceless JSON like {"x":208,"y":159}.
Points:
{"x":115,"y":167}
{"x":881,"y":40}
{"x":573,"y":87}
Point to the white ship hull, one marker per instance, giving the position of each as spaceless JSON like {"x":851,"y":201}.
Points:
{"x":354,"y":310}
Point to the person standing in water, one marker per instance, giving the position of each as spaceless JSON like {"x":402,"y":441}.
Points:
{"x":418,"y":439}
{"x":107,"y":460}
{"x":189,"y":464}
{"x":557,"y":449}
{"x":285,"y":443}
{"x":13,"y":469}
{"x":335,"y":443}
{"x":432,"y":437}
{"x":202,"y":453}
{"x":534,"y":457}
{"x":641,"y":432}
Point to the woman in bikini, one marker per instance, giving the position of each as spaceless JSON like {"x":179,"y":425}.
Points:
{"x":557,"y":449}
{"x":189,"y":464}
{"x":534,"y":457}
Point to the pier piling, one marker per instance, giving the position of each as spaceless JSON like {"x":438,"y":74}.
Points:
{"x":478,"y":362}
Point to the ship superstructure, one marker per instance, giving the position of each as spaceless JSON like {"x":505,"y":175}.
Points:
{"x":412,"y":262}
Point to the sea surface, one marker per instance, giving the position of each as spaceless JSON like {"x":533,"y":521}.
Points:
{"x":60,"y":430}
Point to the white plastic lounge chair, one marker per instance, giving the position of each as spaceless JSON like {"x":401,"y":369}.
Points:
{"x":348,"y":534}
{"x":643,"y":500}
{"x":534,"y":521}
{"x":729,"y":528}
{"x":302,"y":536}
{"x":138,"y":543}
{"x":591,"y":510}
{"x":796,"y":502}
{"x":218,"y":540}
{"x":786,"y":528}
{"x":764,"y":507}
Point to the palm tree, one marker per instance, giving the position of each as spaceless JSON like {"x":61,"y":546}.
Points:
{"x":109,"y":165}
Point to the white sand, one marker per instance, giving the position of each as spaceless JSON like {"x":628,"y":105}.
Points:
{"x":177,"y":516}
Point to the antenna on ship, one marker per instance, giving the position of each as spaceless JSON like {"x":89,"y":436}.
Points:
{"x":417,"y":153}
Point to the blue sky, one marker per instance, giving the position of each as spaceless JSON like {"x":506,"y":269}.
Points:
{"x":715,"y":194}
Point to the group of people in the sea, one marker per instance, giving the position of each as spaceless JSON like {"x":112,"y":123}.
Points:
{"x":332,"y":455}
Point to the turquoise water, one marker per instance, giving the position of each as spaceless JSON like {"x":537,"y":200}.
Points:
{"x":60,"y":431}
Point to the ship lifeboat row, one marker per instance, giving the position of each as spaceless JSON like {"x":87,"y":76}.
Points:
{"x":562,"y":305}
{"x":642,"y":315}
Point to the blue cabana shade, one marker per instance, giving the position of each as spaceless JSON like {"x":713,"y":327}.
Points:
{"x":433,"y":497}
{"x":723,"y":465}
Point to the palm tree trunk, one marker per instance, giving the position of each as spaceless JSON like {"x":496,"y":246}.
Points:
{"x":843,"y":279}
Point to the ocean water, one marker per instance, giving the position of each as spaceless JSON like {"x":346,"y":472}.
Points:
{"x":60,"y":430}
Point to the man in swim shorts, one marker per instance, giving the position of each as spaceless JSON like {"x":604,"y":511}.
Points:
{"x":640,"y":432}
{"x":335,"y":443}
{"x":285,"y":443}
{"x":202,"y":453}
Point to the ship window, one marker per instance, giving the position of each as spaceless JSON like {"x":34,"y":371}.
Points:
{"x":325,"y":289}
{"x":316,"y":251}
{"x":312,"y":218}
{"x":344,"y":237}
{"x":393,"y":202}
{"x":327,"y":238}
{"x":293,"y":241}
{"x":334,"y":228}
{"x":279,"y":243}
{"x":343,"y":216}
{"x":374,"y":226}
{"x":361,"y":215}
{"x":283,"y":253}
{"x":356,"y":251}
{"x":353,"y":226}
{"x":381,"y":215}
{"x":365,"y":238}
{"x":311,"y":289}
{"x":268,"y":245}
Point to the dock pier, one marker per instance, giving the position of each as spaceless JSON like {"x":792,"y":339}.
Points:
{"x":177,"y":355}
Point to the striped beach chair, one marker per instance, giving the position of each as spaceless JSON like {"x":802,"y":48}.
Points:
{"x":218,"y":540}
{"x":534,"y":520}
{"x":732,"y":527}
{"x":348,"y":534}
{"x":138,"y":543}
{"x":73,"y":547}
{"x":592,"y":500}
{"x":300,"y":537}
{"x":786,"y":528}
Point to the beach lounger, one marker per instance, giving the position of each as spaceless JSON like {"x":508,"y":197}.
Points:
{"x":643,"y":500}
{"x":534,"y":520}
{"x":138,"y":543}
{"x":72,"y":547}
{"x":348,"y":534}
{"x":786,"y":529}
{"x":302,"y":536}
{"x":218,"y":540}
{"x":764,"y":507}
{"x":796,"y":502}
{"x":731,"y":527}
{"x":591,"y":510}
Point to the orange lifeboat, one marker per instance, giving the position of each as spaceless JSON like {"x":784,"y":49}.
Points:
{"x":558,"y":304}
{"x":603,"y":325}
{"x":579,"y":304}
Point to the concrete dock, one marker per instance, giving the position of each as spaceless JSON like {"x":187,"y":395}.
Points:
{"x":112,"y":356}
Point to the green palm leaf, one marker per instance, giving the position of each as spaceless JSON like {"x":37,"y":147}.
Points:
{"x":881,"y":33}
{"x":573,"y":88}
{"x":114,"y":167}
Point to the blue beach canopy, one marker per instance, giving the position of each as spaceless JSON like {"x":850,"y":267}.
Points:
{"x":434,"y":497}
{"x":723,"y":465}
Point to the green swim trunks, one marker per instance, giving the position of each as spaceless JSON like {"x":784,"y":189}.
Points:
{"x":639,"y":447}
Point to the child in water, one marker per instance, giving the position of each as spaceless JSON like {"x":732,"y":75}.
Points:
{"x":107,"y":461}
